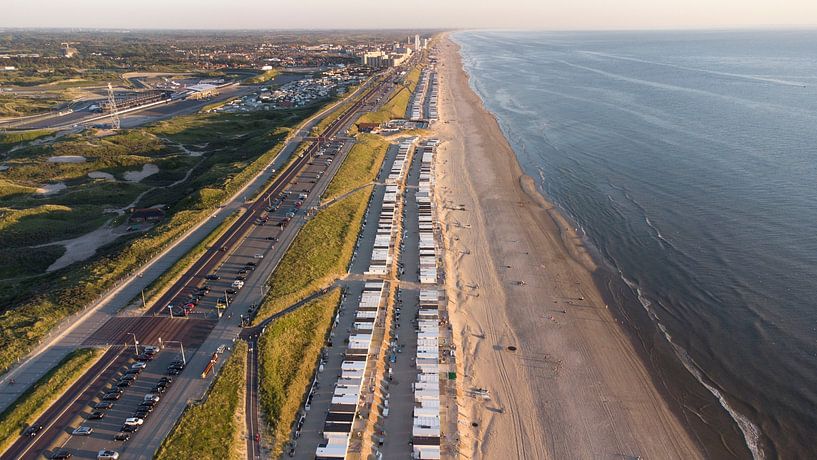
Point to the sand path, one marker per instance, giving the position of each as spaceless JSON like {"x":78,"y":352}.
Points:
{"x":517,"y":276}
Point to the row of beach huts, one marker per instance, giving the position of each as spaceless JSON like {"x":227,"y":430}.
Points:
{"x":350,"y":389}
{"x":423,"y":104}
{"x":426,"y":429}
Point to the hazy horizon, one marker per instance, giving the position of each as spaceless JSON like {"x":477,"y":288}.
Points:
{"x":421,"y":14}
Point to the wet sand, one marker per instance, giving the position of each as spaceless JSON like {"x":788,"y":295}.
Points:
{"x":518,"y":276}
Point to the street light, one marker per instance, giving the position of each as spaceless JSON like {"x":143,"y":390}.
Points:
{"x":135,"y":342}
{"x":184,"y":361}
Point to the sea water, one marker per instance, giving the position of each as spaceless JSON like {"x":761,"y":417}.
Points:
{"x":689,"y":161}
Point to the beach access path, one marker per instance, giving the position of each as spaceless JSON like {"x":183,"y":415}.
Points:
{"x":571,"y":384}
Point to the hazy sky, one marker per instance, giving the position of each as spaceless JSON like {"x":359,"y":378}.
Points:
{"x":528,"y":14}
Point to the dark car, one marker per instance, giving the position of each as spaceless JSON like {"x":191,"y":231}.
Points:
{"x":130,"y":428}
{"x":96,"y":415}
{"x":231,"y":291}
{"x":250,"y":264}
{"x":141,"y":414}
{"x":240,"y":277}
{"x":111,"y":396}
{"x":158,"y":389}
{"x":212,"y":277}
{"x":149,"y":403}
{"x":167,"y":380}
{"x":103,"y":405}
{"x":133,"y":372}
{"x":123,"y":383}
{"x":121,"y":437}
{"x":61,"y":454}
{"x":173,"y":371}
{"x":144,"y":357}
{"x":33,"y":430}
{"x":128,"y":377}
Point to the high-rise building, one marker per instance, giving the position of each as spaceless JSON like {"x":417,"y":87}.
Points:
{"x":417,"y":42}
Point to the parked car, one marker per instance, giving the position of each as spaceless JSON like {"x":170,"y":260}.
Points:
{"x":82,"y":431}
{"x":96,"y":415}
{"x":152,"y":397}
{"x":128,"y":376}
{"x":121,"y":437}
{"x":231,"y":291}
{"x":139,"y":365}
{"x":103,"y":405}
{"x":147,"y":403}
{"x":107,"y":455}
{"x":130,"y":428}
{"x":134,"y":421}
{"x":123,"y":383}
{"x":133,"y":372}
{"x":144,"y":357}
{"x":167,"y":380}
{"x":212,"y":277}
{"x":258,"y":256}
{"x":250,"y":264}
{"x":111,"y":396}
{"x":61,"y":454}
{"x":33,"y":430}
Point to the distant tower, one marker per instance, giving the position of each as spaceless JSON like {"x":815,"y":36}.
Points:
{"x":417,"y":42}
{"x":112,"y":107}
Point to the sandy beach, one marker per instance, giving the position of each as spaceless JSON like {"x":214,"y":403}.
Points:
{"x":518,"y":276}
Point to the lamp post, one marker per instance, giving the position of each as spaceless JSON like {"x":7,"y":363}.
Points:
{"x":135,"y":342}
{"x":184,"y":361}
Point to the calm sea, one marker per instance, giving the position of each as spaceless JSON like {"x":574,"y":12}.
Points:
{"x":689,"y":159}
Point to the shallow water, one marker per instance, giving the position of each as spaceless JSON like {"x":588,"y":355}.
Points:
{"x":689,"y":160}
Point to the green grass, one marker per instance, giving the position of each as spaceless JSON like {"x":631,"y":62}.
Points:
{"x":288,"y":354}
{"x":359,"y":167}
{"x":10,"y":189}
{"x":319,"y":254}
{"x":15,"y":262}
{"x":42,"y":393}
{"x":43,"y":224}
{"x":207,"y":430}
{"x":14,"y":137}
{"x":398,"y":102}
{"x":264,"y":77}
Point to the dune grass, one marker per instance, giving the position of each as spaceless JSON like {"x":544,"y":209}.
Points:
{"x":288,"y":354}
{"x":398,"y":102}
{"x":359,"y":167}
{"x":319,"y":254}
{"x":263,"y":77}
{"x":43,"y":393}
{"x":207,"y":430}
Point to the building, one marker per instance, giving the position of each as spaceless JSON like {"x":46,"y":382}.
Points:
{"x":417,"y":42}
{"x":202,"y":90}
{"x":145,"y":215}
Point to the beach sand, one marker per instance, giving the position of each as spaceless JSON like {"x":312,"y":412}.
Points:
{"x":517,"y":275}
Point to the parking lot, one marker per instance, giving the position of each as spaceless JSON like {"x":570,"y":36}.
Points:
{"x":214,"y":292}
{"x":105,"y":414}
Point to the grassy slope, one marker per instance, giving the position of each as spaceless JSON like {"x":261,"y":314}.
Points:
{"x":289,"y":351}
{"x":397,"y":104}
{"x":207,"y":429}
{"x":360,"y":166}
{"x":320,"y":253}
{"x":42,"y":393}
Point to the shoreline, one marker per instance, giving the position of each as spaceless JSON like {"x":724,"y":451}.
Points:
{"x":574,"y":379}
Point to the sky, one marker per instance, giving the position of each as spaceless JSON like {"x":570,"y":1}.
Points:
{"x":370,"y":14}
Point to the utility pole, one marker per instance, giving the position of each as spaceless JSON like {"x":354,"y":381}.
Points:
{"x":144,"y":304}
